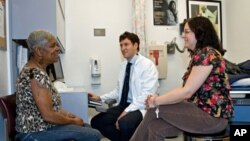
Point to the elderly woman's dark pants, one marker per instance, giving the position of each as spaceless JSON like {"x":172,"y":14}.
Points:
{"x":175,"y":118}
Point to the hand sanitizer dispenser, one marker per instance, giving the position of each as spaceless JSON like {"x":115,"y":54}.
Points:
{"x":95,"y":69}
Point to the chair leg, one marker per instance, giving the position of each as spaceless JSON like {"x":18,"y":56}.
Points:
{"x":187,"y":138}
{"x":6,"y":130}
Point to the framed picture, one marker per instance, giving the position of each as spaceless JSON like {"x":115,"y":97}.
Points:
{"x":165,"y":12}
{"x":2,"y":25}
{"x":209,"y":9}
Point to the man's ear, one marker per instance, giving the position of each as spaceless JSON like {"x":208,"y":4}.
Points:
{"x":136,"y":45}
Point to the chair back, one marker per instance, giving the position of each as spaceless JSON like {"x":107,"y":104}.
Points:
{"x":8,"y":110}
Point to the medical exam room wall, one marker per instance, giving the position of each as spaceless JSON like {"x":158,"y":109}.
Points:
{"x":82,"y":16}
{"x":238,"y":29}
{"x":177,"y":62}
{"x":115,"y":16}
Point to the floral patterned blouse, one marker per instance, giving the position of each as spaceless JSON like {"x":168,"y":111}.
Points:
{"x":213,"y":95}
{"x":28,"y":117}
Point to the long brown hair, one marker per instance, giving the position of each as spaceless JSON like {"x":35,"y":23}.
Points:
{"x":205,"y":33}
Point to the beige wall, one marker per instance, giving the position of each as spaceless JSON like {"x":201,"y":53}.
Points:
{"x":83,"y":16}
{"x":238,"y":30}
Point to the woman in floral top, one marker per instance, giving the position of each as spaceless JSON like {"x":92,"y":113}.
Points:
{"x":40,"y":116}
{"x":202,"y":104}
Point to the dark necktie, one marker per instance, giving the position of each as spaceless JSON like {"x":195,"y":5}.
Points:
{"x":125,"y":88}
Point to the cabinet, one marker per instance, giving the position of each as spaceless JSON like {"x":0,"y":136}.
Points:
{"x":30,"y":15}
{"x":76,"y":102}
{"x":241,"y":99}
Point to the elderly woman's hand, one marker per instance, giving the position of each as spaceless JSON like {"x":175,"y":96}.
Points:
{"x":78,"y":121}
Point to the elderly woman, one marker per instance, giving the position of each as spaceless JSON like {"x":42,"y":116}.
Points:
{"x":202,"y":104}
{"x":39,"y":112}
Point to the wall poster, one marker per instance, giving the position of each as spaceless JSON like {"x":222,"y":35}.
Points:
{"x":165,"y":12}
{"x":209,"y":9}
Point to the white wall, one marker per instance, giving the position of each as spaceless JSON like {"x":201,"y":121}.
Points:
{"x":238,"y":29}
{"x":82,"y":16}
{"x":116,"y":17}
{"x":177,"y":62}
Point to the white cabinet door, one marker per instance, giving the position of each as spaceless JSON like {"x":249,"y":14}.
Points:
{"x":76,"y":102}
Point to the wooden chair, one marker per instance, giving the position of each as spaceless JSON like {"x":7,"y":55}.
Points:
{"x":8,"y":111}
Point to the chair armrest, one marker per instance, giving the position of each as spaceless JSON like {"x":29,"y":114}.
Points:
{"x":101,"y":109}
{"x":110,"y":102}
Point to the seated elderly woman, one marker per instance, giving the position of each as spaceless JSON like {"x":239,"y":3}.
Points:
{"x":39,"y":112}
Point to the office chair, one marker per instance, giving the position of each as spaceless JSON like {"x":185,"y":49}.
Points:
{"x":8,"y":111}
{"x":110,"y":102}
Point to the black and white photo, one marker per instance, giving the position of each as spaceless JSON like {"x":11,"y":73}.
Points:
{"x":165,"y":12}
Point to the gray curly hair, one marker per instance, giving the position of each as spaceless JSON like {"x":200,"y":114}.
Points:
{"x":38,"y":38}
